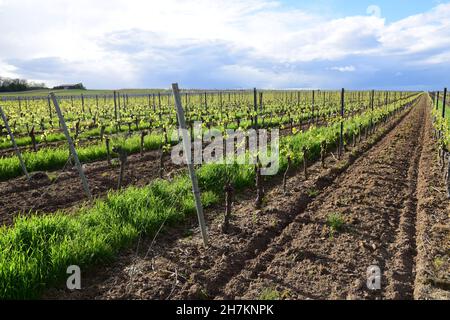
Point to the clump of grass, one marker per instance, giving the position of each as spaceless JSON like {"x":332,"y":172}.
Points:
{"x":313,"y":192}
{"x":336,"y":223}
{"x":52,"y":176}
{"x":438,"y":262}
{"x":270,"y":294}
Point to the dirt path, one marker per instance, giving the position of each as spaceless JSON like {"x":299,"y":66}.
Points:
{"x":286,"y":248}
{"x":433,"y":226}
{"x":377,"y":202}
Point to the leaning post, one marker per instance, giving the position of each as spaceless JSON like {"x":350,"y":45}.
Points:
{"x":71,"y":146}
{"x":187,"y":152}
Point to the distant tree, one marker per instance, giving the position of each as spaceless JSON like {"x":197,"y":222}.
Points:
{"x":80,"y":86}
{"x":77,"y":86}
{"x":13,"y":85}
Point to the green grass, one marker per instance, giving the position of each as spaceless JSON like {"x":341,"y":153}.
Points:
{"x":36,"y":251}
{"x":55,"y":158}
{"x":269,"y":294}
{"x":336,"y":222}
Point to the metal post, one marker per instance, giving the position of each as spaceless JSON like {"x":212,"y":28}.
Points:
{"x":187,"y":152}
{"x":71,"y":146}
{"x":16,"y":149}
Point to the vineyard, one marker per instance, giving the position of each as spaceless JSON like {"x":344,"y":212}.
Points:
{"x":363,"y":177}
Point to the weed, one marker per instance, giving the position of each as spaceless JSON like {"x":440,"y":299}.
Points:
{"x":312,"y":193}
{"x":269,"y":294}
{"x":438,"y":262}
{"x":336,"y":223}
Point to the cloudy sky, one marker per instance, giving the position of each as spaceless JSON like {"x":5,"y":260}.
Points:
{"x":379,"y":44}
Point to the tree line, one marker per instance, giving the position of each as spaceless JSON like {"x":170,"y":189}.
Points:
{"x":13,"y":85}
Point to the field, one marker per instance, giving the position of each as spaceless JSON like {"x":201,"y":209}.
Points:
{"x":359,"y":183}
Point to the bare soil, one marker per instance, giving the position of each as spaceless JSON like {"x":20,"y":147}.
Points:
{"x":387,"y":192}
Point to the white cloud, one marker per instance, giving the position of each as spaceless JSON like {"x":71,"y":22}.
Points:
{"x":7,"y":70}
{"x":419,"y":33}
{"x":265,"y":78}
{"x":120,"y":42}
{"x":344,"y":69}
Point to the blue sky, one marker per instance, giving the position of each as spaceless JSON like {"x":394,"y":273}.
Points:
{"x":398,"y":44}
{"x":392,"y":10}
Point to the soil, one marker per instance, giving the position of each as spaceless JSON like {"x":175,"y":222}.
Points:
{"x":388,"y":194}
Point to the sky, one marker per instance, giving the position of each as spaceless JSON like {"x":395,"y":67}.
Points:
{"x":218,"y":44}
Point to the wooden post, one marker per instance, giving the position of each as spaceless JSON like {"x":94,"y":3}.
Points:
{"x":154,"y":105}
{"x":221,"y":105}
{"x":49,"y":108}
{"x":115,"y":106}
{"x":437,"y":101}
{"x":71,"y":146}
{"x":118,"y":102}
{"x":16,"y":149}
{"x":444,"y":102}
{"x":341,"y":135}
{"x":255,"y":108}
{"x":82,"y":104}
{"x":372,"y":98}
{"x":187,"y":152}
{"x":261,"y":101}
{"x":159,"y":106}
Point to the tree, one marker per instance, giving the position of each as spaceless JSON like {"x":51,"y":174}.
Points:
{"x":12,"y":85}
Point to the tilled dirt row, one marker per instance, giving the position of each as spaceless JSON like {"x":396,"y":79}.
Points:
{"x":376,"y":201}
{"x":433,"y":225}
{"x":175,"y":264}
{"x":63,"y":189}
